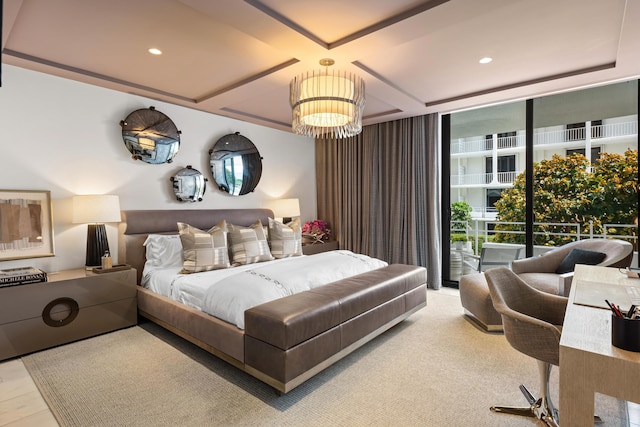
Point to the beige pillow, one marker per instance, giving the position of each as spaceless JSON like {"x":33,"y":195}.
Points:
{"x":203,"y":250}
{"x":248,"y":244}
{"x":285,"y":240}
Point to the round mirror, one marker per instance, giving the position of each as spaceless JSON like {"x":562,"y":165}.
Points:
{"x":150,"y":136}
{"x":189,"y":185}
{"x":236,"y":164}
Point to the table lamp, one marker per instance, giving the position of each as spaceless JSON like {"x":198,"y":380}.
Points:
{"x":287,"y":209}
{"x":95,"y":210}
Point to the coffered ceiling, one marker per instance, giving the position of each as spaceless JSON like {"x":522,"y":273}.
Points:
{"x":236,"y":57}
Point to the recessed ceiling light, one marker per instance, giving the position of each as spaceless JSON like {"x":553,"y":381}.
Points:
{"x":486,"y":60}
{"x":155,"y":51}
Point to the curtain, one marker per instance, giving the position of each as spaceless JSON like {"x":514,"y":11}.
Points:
{"x":380,"y":192}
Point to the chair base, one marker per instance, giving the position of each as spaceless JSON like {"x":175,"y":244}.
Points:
{"x":481,"y":325}
{"x":541,"y":409}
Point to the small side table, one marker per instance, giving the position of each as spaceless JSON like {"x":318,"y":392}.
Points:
{"x":72,"y":305}
{"x":317,"y":248}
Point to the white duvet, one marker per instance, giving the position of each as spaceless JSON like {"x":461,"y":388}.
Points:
{"x":227,"y":293}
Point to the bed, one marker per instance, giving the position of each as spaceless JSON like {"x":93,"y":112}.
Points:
{"x":288,"y":340}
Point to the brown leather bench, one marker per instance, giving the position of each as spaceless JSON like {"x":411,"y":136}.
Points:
{"x":292,"y":338}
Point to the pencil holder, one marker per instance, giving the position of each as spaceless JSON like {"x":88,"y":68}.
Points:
{"x":625,"y":333}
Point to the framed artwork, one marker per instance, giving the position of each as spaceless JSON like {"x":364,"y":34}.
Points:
{"x":26,"y":224}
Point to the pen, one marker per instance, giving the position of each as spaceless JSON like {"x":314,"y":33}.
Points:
{"x":614,"y":309}
{"x":631,"y":311}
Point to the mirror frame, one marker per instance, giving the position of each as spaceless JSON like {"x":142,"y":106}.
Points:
{"x":150,"y":136}
{"x":189,"y":185}
{"x":230,"y":152}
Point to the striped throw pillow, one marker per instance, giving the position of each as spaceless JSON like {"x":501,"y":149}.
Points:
{"x":285,"y":240}
{"x":204,"y":250}
{"x":248,"y":244}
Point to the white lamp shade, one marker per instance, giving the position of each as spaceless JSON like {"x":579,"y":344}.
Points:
{"x":286,"y":208}
{"x":325,"y":104}
{"x":96,"y":208}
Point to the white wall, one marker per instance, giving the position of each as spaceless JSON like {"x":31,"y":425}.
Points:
{"x":65,"y":137}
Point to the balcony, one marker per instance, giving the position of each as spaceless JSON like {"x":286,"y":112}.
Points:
{"x":612,"y":130}
{"x":478,"y":144}
{"x":501,"y":179}
{"x":479,"y":234}
{"x":480,"y":231}
{"x":542,"y":138}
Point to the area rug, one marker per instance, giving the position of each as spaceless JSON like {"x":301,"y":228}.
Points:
{"x":434,"y":369}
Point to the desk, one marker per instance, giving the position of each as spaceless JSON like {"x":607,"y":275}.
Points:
{"x":588,"y":361}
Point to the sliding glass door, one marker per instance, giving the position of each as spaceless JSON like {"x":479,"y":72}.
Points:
{"x":486,"y":153}
{"x":531,"y":175}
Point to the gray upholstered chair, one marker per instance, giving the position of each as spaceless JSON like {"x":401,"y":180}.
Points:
{"x":532,"y":322}
{"x":540,"y":271}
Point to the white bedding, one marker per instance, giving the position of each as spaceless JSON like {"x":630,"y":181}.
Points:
{"x":227,"y":293}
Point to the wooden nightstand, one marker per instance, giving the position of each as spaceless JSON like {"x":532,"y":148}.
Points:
{"x":331,"y":245}
{"x":72,"y":305}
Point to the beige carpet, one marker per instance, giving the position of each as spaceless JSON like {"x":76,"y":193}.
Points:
{"x":435,"y":369}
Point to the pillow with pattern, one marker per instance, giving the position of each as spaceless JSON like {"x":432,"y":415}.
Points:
{"x":248,"y":245}
{"x":285,"y":240}
{"x":204,"y":250}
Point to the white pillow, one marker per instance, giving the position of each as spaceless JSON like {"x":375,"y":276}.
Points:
{"x":163,"y":251}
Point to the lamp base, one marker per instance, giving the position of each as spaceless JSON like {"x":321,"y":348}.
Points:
{"x":97,"y":245}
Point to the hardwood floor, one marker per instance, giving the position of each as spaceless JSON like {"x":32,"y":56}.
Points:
{"x":21,"y":404}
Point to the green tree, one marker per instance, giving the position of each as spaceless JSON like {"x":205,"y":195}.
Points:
{"x":460,"y":217}
{"x":567,"y":192}
{"x":461,"y":211}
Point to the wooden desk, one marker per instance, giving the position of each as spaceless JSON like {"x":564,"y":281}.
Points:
{"x":588,"y":361}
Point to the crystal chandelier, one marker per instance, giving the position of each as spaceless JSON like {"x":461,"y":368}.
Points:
{"x":327,"y":104}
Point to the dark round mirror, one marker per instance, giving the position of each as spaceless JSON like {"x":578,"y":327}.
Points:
{"x":236,"y":164}
{"x":189,"y":185}
{"x":150,"y":136}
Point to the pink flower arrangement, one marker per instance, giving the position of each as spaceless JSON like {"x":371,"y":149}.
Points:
{"x":317,"y":228}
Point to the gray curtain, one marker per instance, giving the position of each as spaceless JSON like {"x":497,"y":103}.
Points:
{"x":380,"y":192}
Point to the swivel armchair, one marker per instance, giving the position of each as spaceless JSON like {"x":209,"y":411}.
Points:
{"x":532,"y":322}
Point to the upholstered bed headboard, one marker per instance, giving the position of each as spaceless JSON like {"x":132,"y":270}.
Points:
{"x":136,"y":225}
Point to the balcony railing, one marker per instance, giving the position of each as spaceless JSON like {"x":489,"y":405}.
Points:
{"x":470,"y":145}
{"x":483,"y":231}
{"x":484,"y":178}
{"x":543,"y":137}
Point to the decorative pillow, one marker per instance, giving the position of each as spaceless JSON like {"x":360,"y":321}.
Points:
{"x":285,"y":240}
{"x":248,"y":244}
{"x":579,"y":256}
{"x":163,"y":251}
{"x":204,"y":250}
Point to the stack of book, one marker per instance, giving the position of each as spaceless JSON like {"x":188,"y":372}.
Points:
{"x":21,"y":276}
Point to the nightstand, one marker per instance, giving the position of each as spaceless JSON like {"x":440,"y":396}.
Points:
{"x":72,"y":305}
{"x":331,"y":245}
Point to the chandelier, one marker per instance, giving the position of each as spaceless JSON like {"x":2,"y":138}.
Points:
{"x":327,"y":104}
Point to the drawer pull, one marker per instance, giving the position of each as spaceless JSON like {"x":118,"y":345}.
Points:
{"x":66,"y":310}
